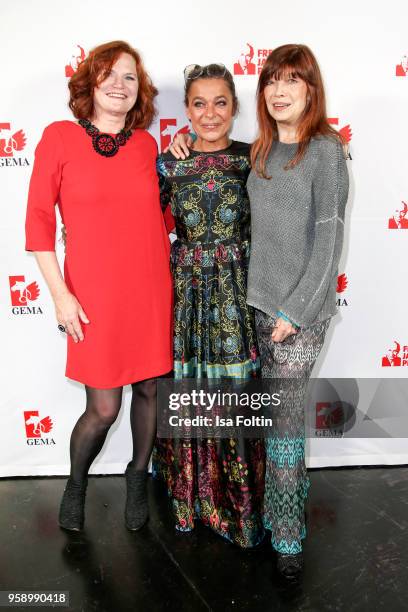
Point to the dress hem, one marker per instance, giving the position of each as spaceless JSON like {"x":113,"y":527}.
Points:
{"x":127,"y":381}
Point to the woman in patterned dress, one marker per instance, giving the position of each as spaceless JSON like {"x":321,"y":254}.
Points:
{"x":219,"y":481}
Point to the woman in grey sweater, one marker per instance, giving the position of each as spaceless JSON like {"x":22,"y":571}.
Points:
{"x":298,"y":190}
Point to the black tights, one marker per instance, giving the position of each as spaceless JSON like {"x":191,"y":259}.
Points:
{"x":102,"y":409}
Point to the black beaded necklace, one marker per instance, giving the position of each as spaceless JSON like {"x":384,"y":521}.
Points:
{"x":105,"y":144}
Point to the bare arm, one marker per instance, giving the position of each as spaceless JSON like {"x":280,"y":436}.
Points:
{"x":68,"y":310}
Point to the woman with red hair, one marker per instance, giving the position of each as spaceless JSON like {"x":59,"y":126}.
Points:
{"x":115,"y":298}
{"x":298,"y":190}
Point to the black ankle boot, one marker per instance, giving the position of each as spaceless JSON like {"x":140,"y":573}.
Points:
{"x":290,"y":566}
{"x":71,"y":514}
{"x":136,"y":511}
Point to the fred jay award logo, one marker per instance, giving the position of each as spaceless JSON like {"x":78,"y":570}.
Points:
{"x":77,"y":57}
{"x":251,"y":60}
{"x":396,"y":356}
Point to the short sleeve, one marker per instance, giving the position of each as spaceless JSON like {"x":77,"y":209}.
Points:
{"x":44,"y":191}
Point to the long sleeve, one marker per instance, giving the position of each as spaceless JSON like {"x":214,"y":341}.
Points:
{"x":43,"y":192}
{"x":329,"y":192}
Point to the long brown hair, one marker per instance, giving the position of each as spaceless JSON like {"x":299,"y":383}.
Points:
{"x":95,"y":68}
{"x":295,"y":61}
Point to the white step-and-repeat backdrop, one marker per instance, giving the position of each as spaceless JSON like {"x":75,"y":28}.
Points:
{"x":362,"y":48}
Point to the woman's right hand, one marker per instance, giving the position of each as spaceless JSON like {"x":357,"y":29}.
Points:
{"x":282,"y":329}
{"x":180,"y":146}
{"x":70,"y":314}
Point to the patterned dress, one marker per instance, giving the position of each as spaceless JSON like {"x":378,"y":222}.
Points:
{"x":219,"y":481}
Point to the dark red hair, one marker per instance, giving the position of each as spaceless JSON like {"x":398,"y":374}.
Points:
{"x":95,"y":68}
{"x":295,"y":61}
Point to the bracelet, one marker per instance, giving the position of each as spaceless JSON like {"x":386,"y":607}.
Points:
{"x":281,"y":315}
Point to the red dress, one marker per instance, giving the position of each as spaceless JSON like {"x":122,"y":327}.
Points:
{"x":117,"y":251}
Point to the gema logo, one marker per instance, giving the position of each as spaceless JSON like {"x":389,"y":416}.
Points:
{"x":11,"y":142}
{"x":342,"y":282}
{"x":22,"y":294}
{"x":398,"y":219}
{"x":77,"y":57}
{"x":36,"y":427}
{"x":330,"y":419}
{"x":168,"y":130}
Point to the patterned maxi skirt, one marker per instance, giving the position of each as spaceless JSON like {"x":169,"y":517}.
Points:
{"x":218,"y":480}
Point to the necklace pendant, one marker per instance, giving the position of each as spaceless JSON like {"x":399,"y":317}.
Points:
{"x":105,"y":144}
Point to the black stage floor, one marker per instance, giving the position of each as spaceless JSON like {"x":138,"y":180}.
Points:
{"x":356,"y":552}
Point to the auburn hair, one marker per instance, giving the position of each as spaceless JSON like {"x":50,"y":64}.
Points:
{"x":94,"y":70}
{"x":291,"y":61}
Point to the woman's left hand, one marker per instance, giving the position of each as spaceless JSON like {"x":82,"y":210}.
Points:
{"x":63,"y":238}
{"x":282,"y":330}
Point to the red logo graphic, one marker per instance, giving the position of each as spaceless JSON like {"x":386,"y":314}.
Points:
{"x":35,"y":425}
{"x":77,"y":58}
{"x":247,"y":63}
{"x":168,"y":130}
{"x":342,"y":283}
{"x":398,"y":219}
{"x":401,"y":69}
{"x":344,"y":131}
{"x":393,"y":356}
{"x":329,"y":415}
{"x":21,"y":293}
{"x":9,"y":141}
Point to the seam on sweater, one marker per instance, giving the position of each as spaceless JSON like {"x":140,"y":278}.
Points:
{"x":331,"y":219}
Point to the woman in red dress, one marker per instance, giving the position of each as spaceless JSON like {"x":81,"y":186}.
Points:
{"x":115,"y":298}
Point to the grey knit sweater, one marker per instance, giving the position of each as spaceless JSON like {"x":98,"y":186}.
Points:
{"x":297,"y":223}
